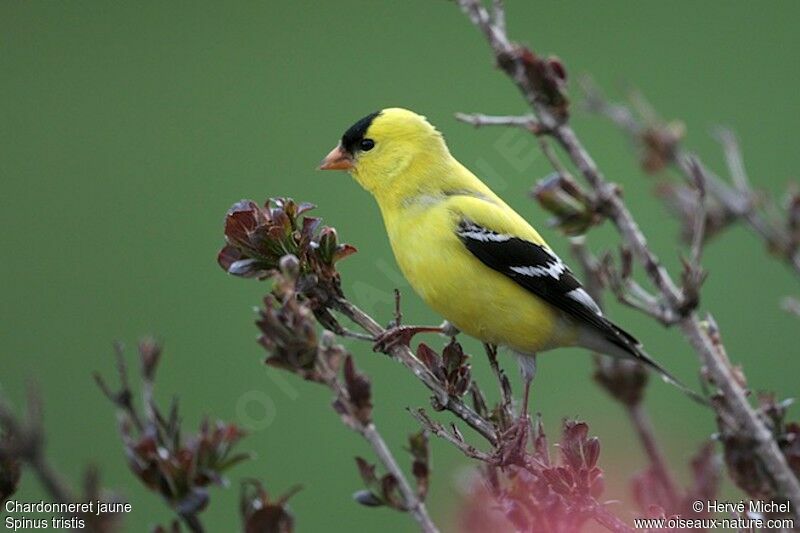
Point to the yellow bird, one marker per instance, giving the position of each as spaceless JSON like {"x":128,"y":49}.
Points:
{"x":469,"y":255}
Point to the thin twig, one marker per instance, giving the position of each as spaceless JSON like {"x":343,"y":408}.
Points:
{"x":629,"y":292}
{"x":644,"y":429}
{"x":408,"y":359}
{"x":344,"y":332}
{"x":25,"y":442}
{"x":413,"y":504}
{"x":499,"y":14}
{"x":734,"y":159}
{"x":699,"y":229}
{"x":791,"y":305}
{"x":398,"y":311}
{"x":453,"y":438}
{"x":528,"y":122}
{"x":738,"y":199}
{"x":124,"y":398}
{"x":507,"y":401}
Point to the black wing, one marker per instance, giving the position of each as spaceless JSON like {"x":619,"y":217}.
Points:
{"x":544,"y":274}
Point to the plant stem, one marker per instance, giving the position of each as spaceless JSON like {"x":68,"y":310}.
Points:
{"x":407,"y":358}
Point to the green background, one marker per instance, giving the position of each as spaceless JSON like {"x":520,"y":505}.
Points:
{"x":127,"y":129}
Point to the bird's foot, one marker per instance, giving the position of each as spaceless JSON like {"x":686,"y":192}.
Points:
{"x":400,"y":336}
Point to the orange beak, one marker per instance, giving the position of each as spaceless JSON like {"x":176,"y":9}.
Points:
{"x":338,"y":159}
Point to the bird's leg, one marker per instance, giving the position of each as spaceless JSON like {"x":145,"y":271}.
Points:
{"x":402,"y":335}
{"x":527,"y":368}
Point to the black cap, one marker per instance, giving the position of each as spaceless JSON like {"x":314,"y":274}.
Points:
{"x":355,"y":134}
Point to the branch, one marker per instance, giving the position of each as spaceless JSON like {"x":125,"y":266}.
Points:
{"x":454,"y":437}
{"x":540,"y":88}
{"x":527,"y":122}
{"x":178,"y":469}
{"x":660,"y":144}
{"x":506,"y":398}
{"x":644,"y":429}
{"x":629,"y":292}
{"x":404,"y":355}
{"x":23,"y":440}
{"x":415,"y":506}
{"x":353,"y":402}
{"x":288,"y":333}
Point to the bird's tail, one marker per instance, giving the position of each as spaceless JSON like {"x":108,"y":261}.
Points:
{"x":667,"y":377}
{"x":616,"y":342}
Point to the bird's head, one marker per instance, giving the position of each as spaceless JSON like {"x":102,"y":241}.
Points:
{"x":382,"y":146}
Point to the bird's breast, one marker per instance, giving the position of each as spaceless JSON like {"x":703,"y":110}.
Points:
{"x":478,"y":300}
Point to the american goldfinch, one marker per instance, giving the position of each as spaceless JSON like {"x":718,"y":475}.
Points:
{"x":469,"y":255}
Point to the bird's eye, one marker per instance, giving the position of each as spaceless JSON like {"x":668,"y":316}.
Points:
{"x":367,"y":145}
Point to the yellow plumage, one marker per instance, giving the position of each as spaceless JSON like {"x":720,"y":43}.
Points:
{"x":473,"y":297}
